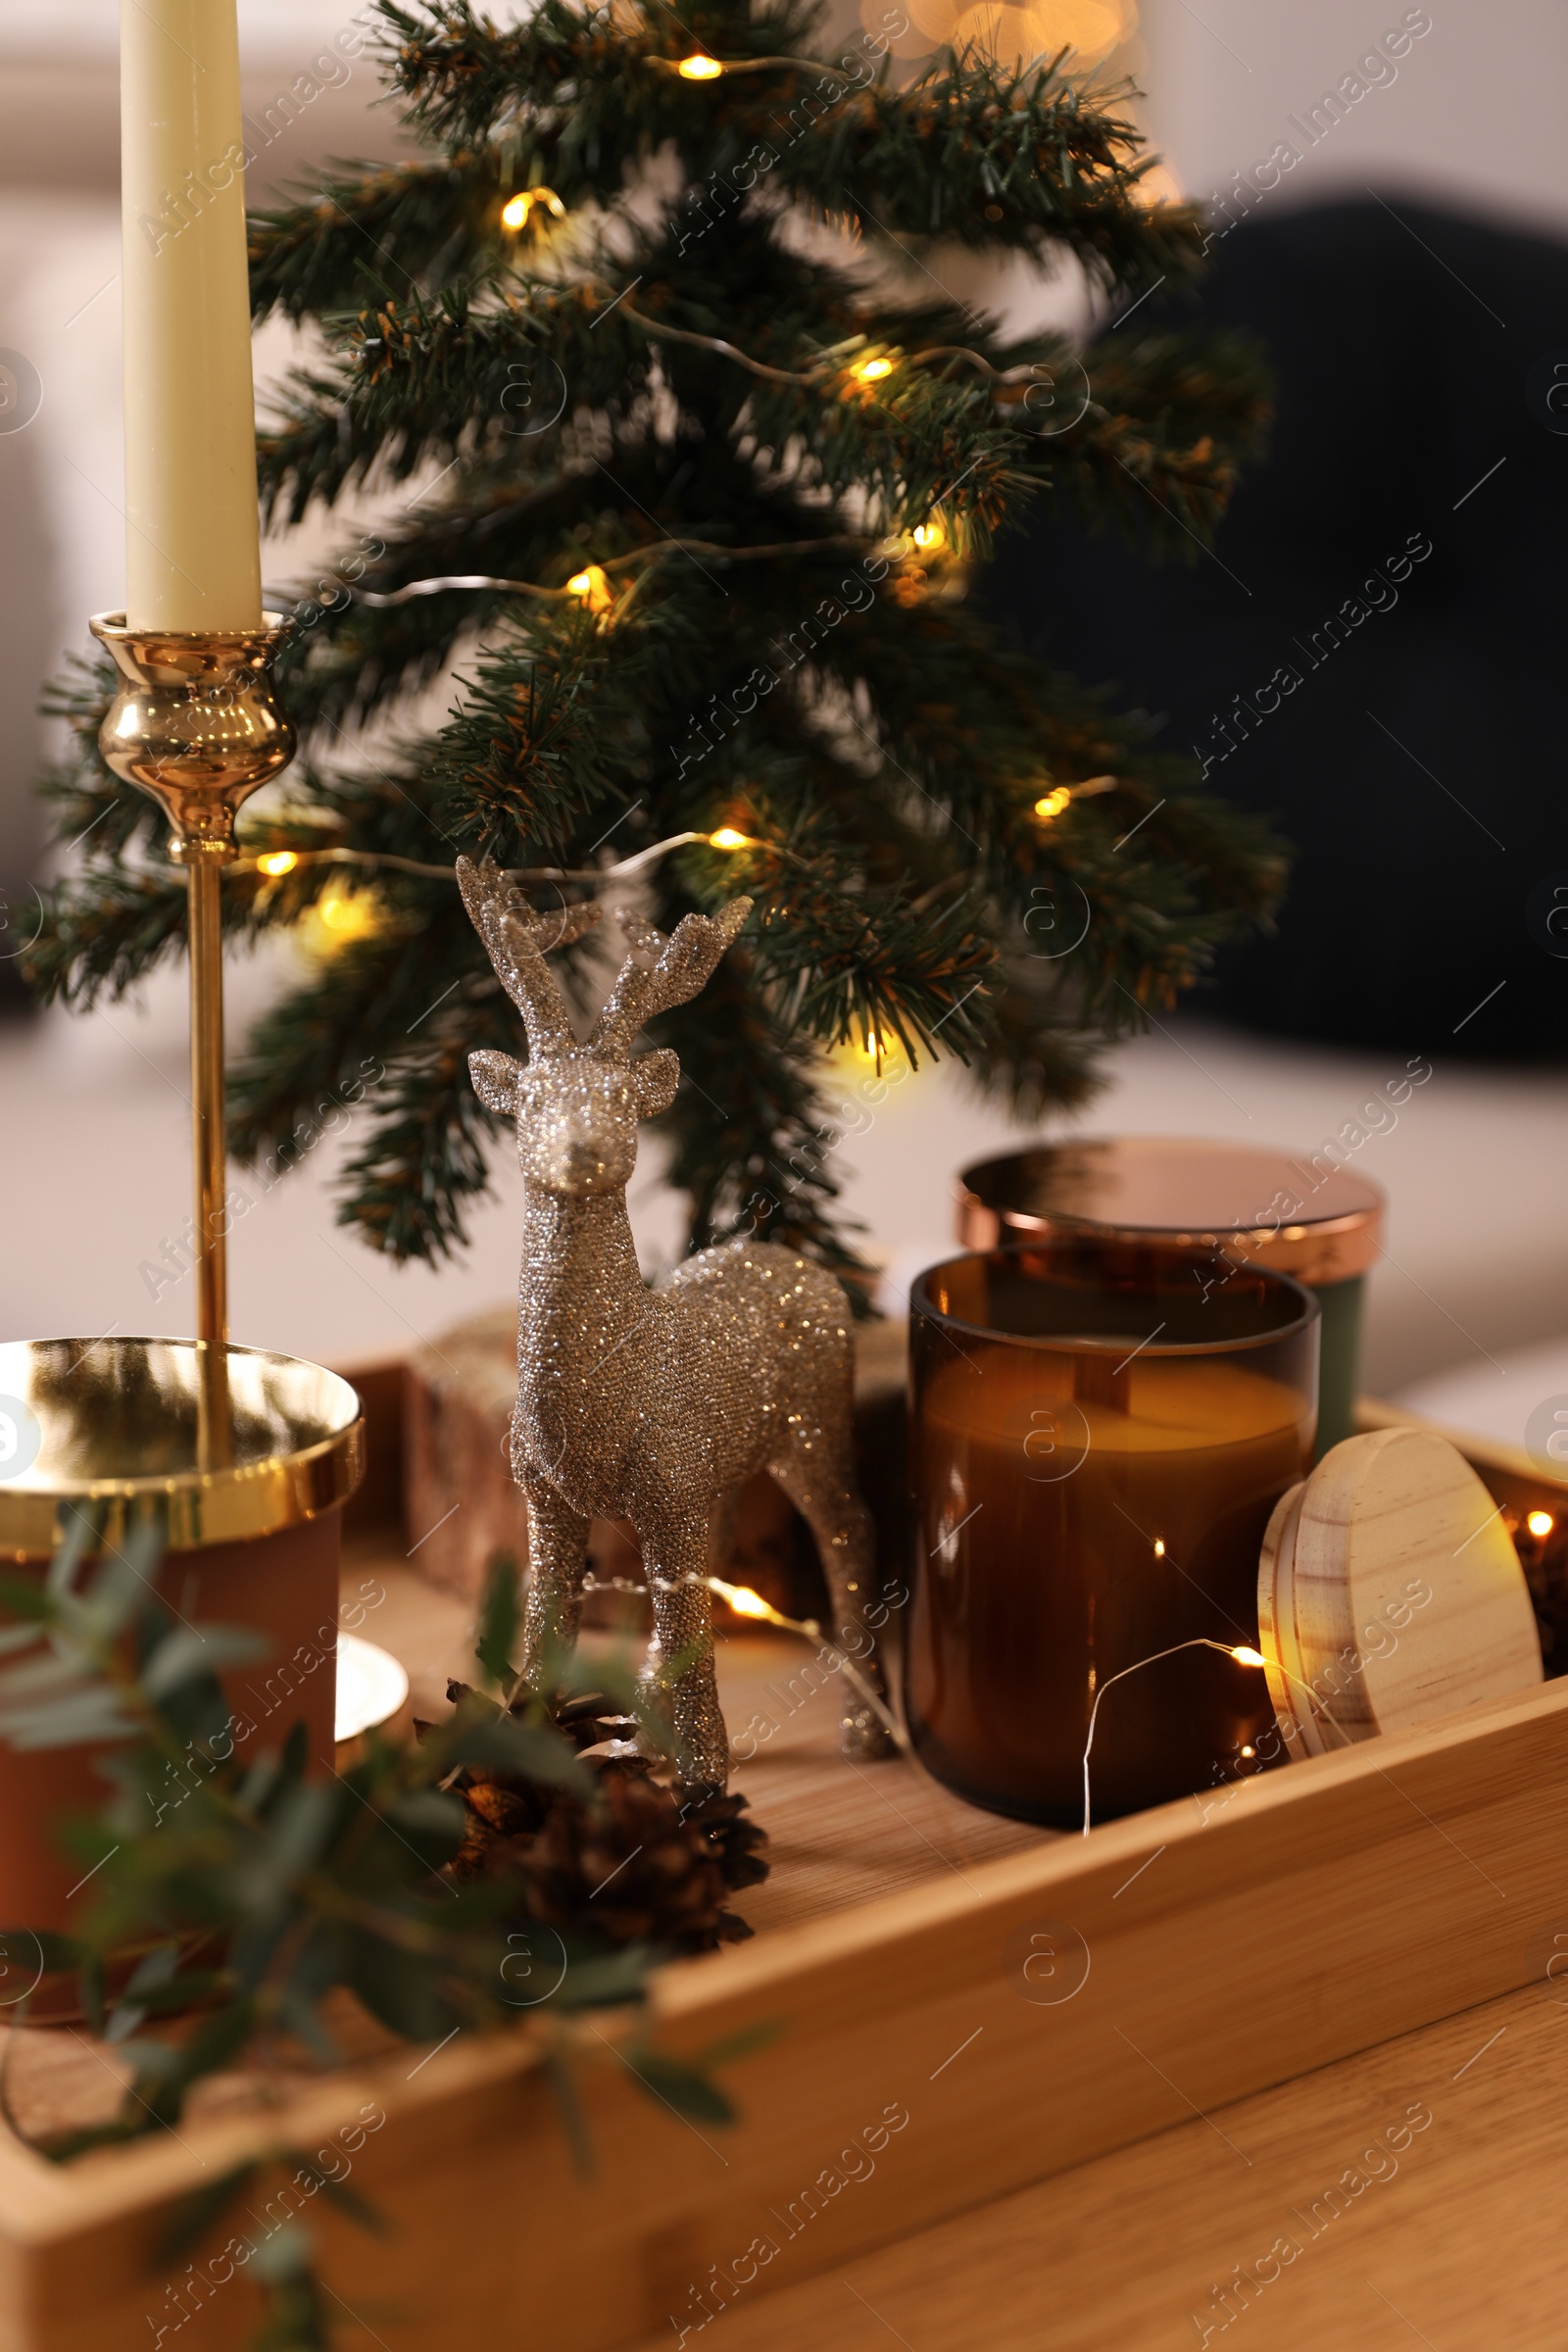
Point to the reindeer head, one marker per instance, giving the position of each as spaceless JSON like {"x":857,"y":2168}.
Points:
{"x":577,"y":1106}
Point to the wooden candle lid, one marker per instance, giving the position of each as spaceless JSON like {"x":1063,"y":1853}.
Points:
{"x":1390,"y":1586}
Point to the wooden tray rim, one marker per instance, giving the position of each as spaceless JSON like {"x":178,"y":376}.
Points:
{"x":1327,"y":1798}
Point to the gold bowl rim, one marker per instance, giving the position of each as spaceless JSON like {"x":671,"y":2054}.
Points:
{"x":229,"y":1503}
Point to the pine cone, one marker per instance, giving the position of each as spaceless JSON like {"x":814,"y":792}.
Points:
{"x":499,"y":1811}
{"x":587,"y":1718}
{"x":501,"y":1805}
{"x":474,"y":1855}
{"x":639,"y":1865}
{"x":511,"y":1808}
{"x":590,"y":1719}
{"x":630,"y":1869}
{"x":734,"y":1843}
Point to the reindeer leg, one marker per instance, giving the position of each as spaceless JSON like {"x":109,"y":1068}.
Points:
{"x":675,"y":1545}
{"x":821,"y":1485}
{"x":721,"y":1533}
{"x":558,"y":1552}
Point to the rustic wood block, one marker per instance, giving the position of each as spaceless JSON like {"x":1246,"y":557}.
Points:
{"x":462,"y":1506}
{"x":377,"y":1500}
{"x":1389,"y":1587}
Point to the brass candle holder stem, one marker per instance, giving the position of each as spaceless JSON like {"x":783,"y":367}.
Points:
{"x":196,"y":725}
{"x":204,"y":884}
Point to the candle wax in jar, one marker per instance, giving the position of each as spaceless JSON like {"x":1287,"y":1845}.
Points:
{"x":1078,"y":1518}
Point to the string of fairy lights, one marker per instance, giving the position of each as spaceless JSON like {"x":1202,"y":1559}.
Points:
{"x":747,"y":1603}
{"x":341,"y":917}
{"x":1241,"y":1652}
{"x":273,"y":864}
{"x":600,"y":587}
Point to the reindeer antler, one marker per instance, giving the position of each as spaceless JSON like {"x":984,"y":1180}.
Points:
{"x":515,"y":937}
{"x":660,"y":972}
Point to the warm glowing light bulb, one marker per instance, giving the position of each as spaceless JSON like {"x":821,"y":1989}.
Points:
{"x":727,"y":838}
{"x":592,"y":586}
{"x":1248,"y":1751}
{"x":516,"y":211}
{"x":1159,"y":1547}
{"x":871,"y":372}
{"x":1246,"y":1656}
{"x":741,"y":1600}
{"x":700,"y":67}
{"x":283,"y":862}
{"x":1051,"y":804}
{"x":930,"y":536}
{"x":1539,"y":1523}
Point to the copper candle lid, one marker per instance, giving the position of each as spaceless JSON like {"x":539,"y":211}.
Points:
{"x":117,"y":1422}
{"x":1306,"y":1217}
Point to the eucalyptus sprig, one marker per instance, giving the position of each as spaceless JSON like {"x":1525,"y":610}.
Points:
{"x":251,"y":1893}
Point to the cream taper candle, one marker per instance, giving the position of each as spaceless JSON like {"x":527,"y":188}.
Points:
{"x":192,"y":549}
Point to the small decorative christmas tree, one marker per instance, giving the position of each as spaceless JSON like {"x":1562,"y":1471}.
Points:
{"x":699,"y":471}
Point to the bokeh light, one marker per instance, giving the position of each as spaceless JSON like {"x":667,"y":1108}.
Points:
{"x":1019,"y":33}
{"x":339,"y":918}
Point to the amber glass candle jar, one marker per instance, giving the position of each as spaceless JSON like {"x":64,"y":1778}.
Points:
{"x":1098,"y":1435}
{"x":1313,"y":1218}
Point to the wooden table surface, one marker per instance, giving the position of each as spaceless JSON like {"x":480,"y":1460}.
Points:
{"x":1408,"y":2195}
{"x":1349,"y":2241}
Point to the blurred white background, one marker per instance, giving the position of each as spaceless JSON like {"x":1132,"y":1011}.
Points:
{"x":93,"y":1172}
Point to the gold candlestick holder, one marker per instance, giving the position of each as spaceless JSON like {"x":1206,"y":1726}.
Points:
{"x":196,"y":725}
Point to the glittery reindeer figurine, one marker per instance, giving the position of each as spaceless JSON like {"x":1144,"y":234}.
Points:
{"x":654,"y":1405}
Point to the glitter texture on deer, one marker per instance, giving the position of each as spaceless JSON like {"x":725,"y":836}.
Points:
{"x":656,"y":1405}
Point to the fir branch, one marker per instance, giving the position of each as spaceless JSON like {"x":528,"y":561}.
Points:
{"x":527,"y":754}
{"x":408,"y":1188}
{"x":374,"y":232}
{"x":571,"y":85}
{"x":1157,"y":446}
{"x":721,"y":580}
{"x":988,"y":155}
{"x":754,"y":1157}
{"x":90,"y":808}
{"x":842,"y":960}
{"x":103,"y":934}
{"x":425,"y":380}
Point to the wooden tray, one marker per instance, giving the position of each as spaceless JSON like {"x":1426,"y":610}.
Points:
{"x":960,"y":2007}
